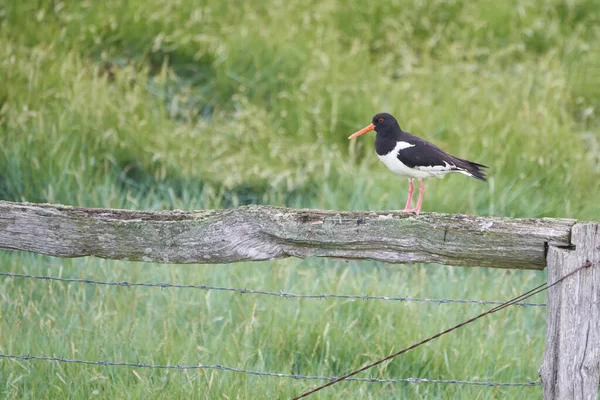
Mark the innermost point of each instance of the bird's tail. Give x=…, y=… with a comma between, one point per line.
x=472, y=168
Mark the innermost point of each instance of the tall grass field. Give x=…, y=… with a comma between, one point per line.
x=161, y=105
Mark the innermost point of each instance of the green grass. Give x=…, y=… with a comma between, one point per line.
x=187, y=105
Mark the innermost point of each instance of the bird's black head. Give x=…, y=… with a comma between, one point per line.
x=382, y=123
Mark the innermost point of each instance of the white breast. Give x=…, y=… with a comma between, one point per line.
x=396, y=166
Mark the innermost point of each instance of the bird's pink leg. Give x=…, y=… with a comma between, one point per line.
x=420, y=200
x=411, y=190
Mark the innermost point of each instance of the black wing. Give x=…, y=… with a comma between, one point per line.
x=425, y=154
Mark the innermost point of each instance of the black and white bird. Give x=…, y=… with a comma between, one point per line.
x=413, y=157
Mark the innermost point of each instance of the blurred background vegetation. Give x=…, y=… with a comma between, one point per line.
x=212, y=104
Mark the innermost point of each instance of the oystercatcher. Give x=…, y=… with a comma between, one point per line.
x=413, y=157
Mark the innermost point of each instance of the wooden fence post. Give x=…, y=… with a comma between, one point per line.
x=571, y=367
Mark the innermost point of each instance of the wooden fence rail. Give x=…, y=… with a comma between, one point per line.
x=265, y=233
x=571, y=367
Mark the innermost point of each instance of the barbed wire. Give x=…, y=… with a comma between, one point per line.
x=263, y=292
x=27, y=357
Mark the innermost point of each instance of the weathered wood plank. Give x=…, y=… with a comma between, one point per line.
x=264, y=232
x=571, y=367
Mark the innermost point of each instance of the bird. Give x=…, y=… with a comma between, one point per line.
x=415, y=158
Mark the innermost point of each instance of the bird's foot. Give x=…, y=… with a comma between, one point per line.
x=411, y=210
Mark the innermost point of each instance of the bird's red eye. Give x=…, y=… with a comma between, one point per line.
x=380, y=119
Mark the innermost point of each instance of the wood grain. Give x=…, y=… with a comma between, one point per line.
x=571, y=367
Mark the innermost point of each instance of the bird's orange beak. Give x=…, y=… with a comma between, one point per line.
x=364, y=130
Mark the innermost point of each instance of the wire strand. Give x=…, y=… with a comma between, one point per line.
x=263, y=292
x=28, y=357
